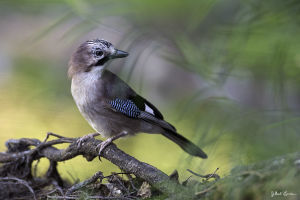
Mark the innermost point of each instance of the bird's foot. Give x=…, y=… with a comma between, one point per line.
x=108, y=141
x=84, y=138
x=103, y=145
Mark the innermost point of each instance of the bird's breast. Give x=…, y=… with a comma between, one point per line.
x=84, y=86
x=86, y=92
x=89, y=91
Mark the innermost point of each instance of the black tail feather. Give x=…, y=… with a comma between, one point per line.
x=185, y=144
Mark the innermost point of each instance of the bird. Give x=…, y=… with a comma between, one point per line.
x=111, y=107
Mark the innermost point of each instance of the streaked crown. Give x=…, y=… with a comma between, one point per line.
x=93, y=53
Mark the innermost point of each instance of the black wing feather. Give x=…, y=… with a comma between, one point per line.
x=140, y=102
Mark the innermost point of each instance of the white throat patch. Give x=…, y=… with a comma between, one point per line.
x=83, y=86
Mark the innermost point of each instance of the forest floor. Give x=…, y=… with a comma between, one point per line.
x=277, y=178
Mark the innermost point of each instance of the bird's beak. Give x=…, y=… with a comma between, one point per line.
x=119, y=54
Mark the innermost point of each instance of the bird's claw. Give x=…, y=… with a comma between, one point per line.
x=84, y=138
x=102, y=146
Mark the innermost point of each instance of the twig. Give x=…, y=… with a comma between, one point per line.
x=11, y=157
x=115, y=177
x=20, y=181
x=101, y=197
x=52, y=191
x=53, y=134
x=117, y=173
x=131, y=183
x=88, y=197
x=94, y=178
x=205, y=191
x=57, y=187
x=62, y=197
x=207, y=176
x=35, y=167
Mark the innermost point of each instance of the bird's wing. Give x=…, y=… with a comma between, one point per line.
x=125, y=106
x=146, y=106
x=122, y=98
x=131, y=109
x=115, y=88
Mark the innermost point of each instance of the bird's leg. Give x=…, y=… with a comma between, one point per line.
x=105, y=143
x=84, y=138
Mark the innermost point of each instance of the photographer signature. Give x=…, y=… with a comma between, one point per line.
x=282, y=193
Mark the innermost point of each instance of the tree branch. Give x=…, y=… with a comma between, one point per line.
x=124, y=161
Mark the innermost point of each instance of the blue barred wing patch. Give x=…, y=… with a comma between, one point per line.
x=126, y=107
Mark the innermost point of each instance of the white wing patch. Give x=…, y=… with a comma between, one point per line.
x=148, y=109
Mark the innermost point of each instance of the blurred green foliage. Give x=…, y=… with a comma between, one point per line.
x=243, y=55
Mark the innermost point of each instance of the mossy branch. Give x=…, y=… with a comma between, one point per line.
x=18, y=149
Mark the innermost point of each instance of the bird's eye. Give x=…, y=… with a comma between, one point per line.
x=99, y=53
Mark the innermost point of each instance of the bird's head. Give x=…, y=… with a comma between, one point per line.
x=93, y=53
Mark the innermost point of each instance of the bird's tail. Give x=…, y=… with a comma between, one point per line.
x=184, y=143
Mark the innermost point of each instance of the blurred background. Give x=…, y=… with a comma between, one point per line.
x=225, y=73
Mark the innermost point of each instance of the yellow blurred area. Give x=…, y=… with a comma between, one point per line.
x=21, y=119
